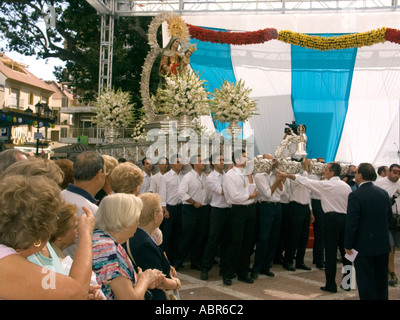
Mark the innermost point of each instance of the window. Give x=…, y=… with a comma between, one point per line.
x=13, y=101
x=31, y=98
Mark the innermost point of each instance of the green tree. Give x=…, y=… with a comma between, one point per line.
x=75, y=38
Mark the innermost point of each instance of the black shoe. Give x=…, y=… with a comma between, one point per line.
x=268, y=273
x=331, y=290
x=204, y=275
x=254, y=275
x=320, y=266
x=245, y=278
x=303, y=267
x=289, y=267
x=226, y=281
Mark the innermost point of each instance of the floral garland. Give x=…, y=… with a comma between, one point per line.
x=313, y=42
x=392, y=35
x=227, y=37
x=232, y=103
x=114, y=109
x=332, y=43
x=183, y=94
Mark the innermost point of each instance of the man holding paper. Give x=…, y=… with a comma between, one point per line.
x=367, y=232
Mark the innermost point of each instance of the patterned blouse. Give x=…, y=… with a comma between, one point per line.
x=110, y=260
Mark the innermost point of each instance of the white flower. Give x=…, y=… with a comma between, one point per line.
x=231, y=103
x=114, y=109
x=182, y=94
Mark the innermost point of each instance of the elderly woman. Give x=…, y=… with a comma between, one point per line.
x=116, y=221
x=110, y=163
x=29, y=208
x=66, y=232
x=66, y=166
x=126, y=178
x=35, y=167
x=145, y=251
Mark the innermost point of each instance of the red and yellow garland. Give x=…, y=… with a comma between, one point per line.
x=312, y=42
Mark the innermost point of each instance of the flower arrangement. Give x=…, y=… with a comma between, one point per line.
x=183, y=94
x=313, y=42
x=238, y=38
x=232, y=103
x=333, y=43
x=392, y=35
x=114, y=109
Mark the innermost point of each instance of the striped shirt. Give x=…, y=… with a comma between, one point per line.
x=110, y=260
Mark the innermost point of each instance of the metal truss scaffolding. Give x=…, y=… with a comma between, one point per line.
x=112, y=9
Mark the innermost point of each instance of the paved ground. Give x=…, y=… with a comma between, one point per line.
x=286, y=285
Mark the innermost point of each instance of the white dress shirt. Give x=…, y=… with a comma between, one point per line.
x=168, y=188
x=285, y=194
x=154, y=182
x=390, y=187
x=193, y=186
x=334, y=192
x=145, y=186
x=237, y=188
x=264, y=182
x=315, y=195
x=214, y=183
x=298, y=192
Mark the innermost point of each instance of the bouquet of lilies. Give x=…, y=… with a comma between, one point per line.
x=232, y=102
x=182, y=94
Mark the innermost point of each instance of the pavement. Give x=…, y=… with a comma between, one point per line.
x=286, y=285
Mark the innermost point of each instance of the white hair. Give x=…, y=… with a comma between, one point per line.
x=118, y=211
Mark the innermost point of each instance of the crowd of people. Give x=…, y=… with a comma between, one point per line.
x=104, y=228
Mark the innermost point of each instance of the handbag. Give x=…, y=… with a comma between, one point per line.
x=170, y=294
x=148, y=295
x=394, y=224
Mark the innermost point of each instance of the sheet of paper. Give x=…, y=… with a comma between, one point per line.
x=351, y=257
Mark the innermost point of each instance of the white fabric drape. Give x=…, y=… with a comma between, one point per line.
x=266, y=69
x=371, y=130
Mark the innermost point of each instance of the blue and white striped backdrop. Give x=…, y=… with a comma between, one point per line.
x=348, y=99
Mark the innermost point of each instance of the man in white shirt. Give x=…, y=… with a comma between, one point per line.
x=220, y=218
x=391, y=184
x=270, y=187
x=172, y=207
x=146, y=166
x=195, y=213
x=240, y=192
x=318, y=224
x=334, y=197
x=89, y=178
x=163, y=168
x=299, y=219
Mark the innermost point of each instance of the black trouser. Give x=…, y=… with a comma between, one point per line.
x=240, y=249
x=283, y=234
x=172, y=232
x=298, y=232
x=195, y=227
x=220, y=235
x=371, y=275
x=318, y=226
x=334, y=227
x=270, y=218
